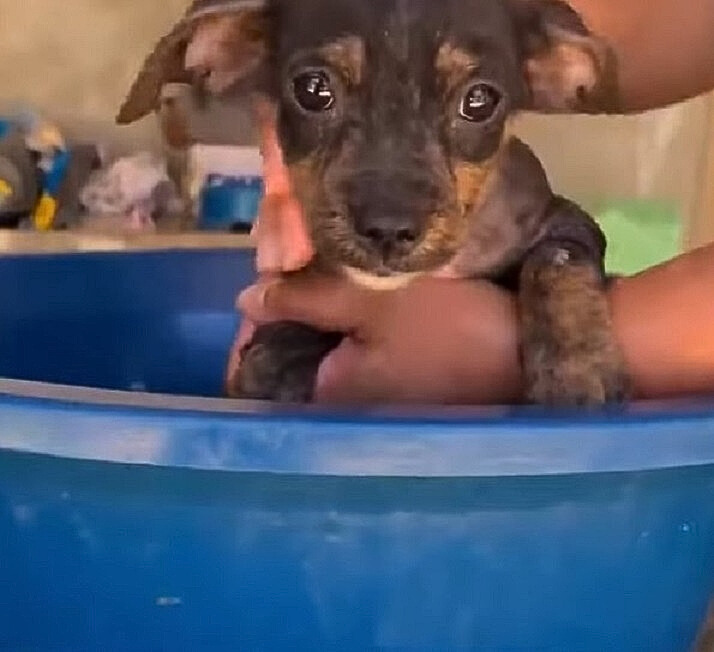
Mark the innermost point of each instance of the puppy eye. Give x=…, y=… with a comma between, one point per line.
x=313, y=91
x=479, y=103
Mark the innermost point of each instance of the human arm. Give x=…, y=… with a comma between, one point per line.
x=449, y=341
x=664, y=318
x=664, y=48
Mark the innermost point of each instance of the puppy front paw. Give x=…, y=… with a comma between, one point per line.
x=280, y=363
x=570, y=355
x=575, y=378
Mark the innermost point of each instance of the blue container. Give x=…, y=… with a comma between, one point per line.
x=164, y=518
x=229, y=202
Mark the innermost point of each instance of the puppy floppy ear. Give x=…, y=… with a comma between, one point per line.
x=566, y=67
x=217, y=45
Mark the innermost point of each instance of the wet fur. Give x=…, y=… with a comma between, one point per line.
x=484, y=198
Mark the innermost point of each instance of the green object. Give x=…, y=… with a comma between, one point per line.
x=640, y=234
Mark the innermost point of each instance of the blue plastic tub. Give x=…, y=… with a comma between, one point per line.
x=146, y=515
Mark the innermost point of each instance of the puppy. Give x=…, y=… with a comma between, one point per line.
x=393, y=116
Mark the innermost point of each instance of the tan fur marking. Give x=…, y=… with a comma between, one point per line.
x=471, y=179
x=347, y=55
x=454, y=63
x=474, y=179
x=446, y=232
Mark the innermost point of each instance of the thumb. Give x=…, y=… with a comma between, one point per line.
x=345, y=375
x=329, y=304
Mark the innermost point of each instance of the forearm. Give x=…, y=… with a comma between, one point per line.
x=664, y=319
x=665, y=48
x=457, y=341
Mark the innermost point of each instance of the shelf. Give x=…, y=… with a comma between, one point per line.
x=26, y=242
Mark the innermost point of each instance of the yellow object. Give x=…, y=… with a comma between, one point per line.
x=5, y=189
x=45, y=212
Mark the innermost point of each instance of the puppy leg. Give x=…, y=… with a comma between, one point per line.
x=569, y=353
x=281, y=362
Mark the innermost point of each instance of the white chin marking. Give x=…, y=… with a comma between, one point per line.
x=373, y=282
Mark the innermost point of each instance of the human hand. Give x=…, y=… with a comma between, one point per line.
x=434, y=341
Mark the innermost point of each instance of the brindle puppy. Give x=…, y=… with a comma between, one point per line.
x=393, y=119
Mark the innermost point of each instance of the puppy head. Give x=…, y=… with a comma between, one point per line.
x=392, y=114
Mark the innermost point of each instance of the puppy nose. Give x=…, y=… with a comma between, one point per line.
x=388, y=232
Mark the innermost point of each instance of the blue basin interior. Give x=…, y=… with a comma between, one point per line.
x=161, y=518
x=153, y=321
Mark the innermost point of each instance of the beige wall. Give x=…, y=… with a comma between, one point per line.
x=75, y=59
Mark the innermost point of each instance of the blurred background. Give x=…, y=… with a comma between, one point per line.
x=649, y=178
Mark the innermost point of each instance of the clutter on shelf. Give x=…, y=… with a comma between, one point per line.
x=135, y=189
x=48, y=183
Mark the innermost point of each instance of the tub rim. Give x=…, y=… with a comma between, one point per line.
x=80, y=423
x=36, y=417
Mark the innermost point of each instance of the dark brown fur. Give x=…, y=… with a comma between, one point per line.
x=281, y=363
